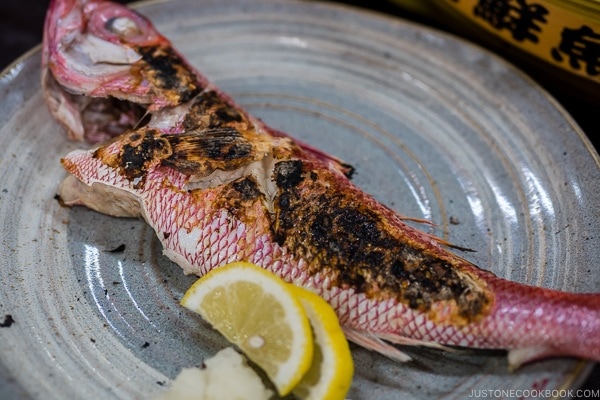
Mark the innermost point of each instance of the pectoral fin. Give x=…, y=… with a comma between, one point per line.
x=372, y=342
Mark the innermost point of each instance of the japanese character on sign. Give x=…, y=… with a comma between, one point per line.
x=520, y=18
x=580, y=45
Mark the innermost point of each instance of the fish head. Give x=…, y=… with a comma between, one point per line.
x=105, y=65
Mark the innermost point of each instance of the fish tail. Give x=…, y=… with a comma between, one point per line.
x=535, y=323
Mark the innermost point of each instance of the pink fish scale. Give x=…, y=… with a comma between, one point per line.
x=353, y=315
x=472, y=338
x=386, y=310
x=158, y=204
x=301, y=277
x=338, y=299
x=245, y=241
x=430, y=331
x=340, y=303
x=400, y=319
x=539, y=318
x=85, y=166
x=221, y=238
x=267, y=254
x=218, y=237
x=361, y=313
x=364, y=307
x=289, y=267
x=388, y=316
x=411, y=326
x=277, y=264
x=450, y=336
x=378, y=316
x=222, y=227
x=195, y=227
x=260, y=250
x=107, y=175
x=92, y=170
x=424, y=329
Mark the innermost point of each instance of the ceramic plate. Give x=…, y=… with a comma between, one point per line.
x=436, y=128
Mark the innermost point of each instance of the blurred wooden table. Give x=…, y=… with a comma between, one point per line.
x=21, y=29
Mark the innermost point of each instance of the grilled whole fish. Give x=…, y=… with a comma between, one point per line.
x=217, y=185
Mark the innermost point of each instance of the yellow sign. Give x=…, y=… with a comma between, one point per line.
x=559, y=36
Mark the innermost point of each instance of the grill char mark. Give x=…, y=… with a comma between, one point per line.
x=336, y=233
x=194, y=153
x=168, y=72
x=209, y=111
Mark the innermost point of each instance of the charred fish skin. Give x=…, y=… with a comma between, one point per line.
x=106, y=69
x=351, y=240
x=218, y=185
x=313, y=227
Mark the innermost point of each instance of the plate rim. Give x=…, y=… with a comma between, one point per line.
x=583, y=367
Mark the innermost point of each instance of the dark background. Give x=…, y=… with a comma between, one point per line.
x=21, y=23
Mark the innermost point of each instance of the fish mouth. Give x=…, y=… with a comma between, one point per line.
x=92, y=119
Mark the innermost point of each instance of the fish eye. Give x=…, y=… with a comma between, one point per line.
x=118, y=24
x=122, y=26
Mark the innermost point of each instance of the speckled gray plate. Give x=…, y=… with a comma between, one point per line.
x=436, y=128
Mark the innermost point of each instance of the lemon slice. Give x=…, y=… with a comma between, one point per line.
x=256, y=310
x=330, y=374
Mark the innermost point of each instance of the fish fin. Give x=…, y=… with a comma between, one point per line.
x=518, y=357
x=455, y=246
x=406, y=341
x=416, y=220
x=437, y=239
x=372, y=342
x=442, y=242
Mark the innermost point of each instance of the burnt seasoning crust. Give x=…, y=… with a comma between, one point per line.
x=312, y=216
x=167, y=72
x=334, y=231
x=196, y=153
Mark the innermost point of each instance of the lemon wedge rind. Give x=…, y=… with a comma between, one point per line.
x=330, y=375
x=258, y=312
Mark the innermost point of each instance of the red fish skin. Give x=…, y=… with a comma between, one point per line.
x=200, y=234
